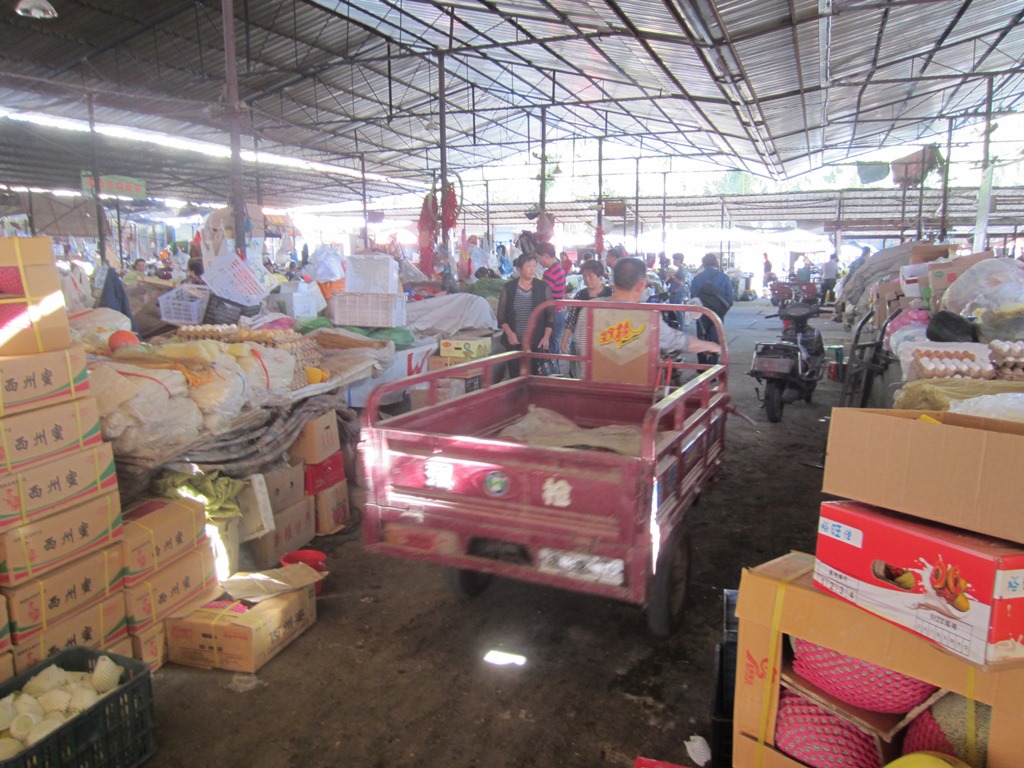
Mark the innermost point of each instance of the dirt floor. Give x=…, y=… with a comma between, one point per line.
x=392, y=674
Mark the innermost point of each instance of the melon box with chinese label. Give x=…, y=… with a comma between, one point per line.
x=959, y=589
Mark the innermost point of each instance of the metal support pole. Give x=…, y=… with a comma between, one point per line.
x=543, y=157
x=234, y=124
x=664, y=211
x=120, y=237
x=101, y=241
x=487, y=214
x=256, y=160
x=442, y=118
x=31, y=216
x=985, y=193
x=366, y=212
x=920, y=209
x=636, y=210
x=944, y=225
x=600, y=185
x=903, y=210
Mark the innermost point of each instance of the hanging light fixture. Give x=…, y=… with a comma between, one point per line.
x=35, y=9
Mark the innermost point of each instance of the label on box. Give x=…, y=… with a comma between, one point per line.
x=325, y=474
x=44, y=434
x=42, y=489
x=99, y=626
x=943, y=584
x=31, y=550
x=332, y=509
x=172, y=585
x=158, y=530
x=34, y=605
x=34, y=381
x=466, y=347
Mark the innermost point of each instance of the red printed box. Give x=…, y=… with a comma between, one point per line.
x=961, y=590
x=320, y=477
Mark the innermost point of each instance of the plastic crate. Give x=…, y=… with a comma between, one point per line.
x=185, y=304
x=721, y=710
x=371, y=273
x=116, y=732
x=370, y=310
x=225, y=312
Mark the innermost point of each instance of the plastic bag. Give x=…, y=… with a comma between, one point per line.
x=180, y=426
x=902, y=320
x=1008, y=406
x=93, y=327
x=911, y=334
x=221, y=398
x=995, y=285
x=326, y=265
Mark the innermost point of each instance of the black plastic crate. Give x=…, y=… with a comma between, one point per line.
x=721, y=711
x=115, y=732
x=730, y=624
x=221, y=311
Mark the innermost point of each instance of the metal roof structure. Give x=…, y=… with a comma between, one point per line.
x=773, y=87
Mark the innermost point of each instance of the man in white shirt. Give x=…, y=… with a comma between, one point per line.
x=829, y=275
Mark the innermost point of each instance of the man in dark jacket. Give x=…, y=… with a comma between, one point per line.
x=714, y=289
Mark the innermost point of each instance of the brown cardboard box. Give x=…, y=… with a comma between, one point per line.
x=101, y=625
x=6, y=666
x=37, y=603
x=922, y=252
x=150, y=644
x=36, y=320
x=157, y=531
x=39, y=490
x=317, y=440
x=779, y=598
x=169, y=587
x=332, y=509
x=942, y=274
x=31, y=550
x=963, y=471
x=222, y=638
x=295, y=528
x=47, y=433
x=47, y=378
x=285, y=484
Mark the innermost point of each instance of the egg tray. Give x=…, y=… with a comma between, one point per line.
x=115, y=732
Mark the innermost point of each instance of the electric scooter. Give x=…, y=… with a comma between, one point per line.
x=790, y=368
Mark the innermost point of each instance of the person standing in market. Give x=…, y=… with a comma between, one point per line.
x=629, y=280
x=554, y=276
x=714, y=289
x=677, y=284
x=829, y=275
x=517, y=301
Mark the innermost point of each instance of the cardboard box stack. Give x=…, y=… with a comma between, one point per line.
x=909, y=587
x=61, y=563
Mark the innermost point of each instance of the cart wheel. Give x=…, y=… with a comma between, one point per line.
x=668, y=586
x=773, y=401
x=466, y=584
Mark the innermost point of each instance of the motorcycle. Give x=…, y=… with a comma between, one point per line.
x=790, y=368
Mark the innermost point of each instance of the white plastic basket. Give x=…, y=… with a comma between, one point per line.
x=371, y=310
x=185, y=304
x=371, y=273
